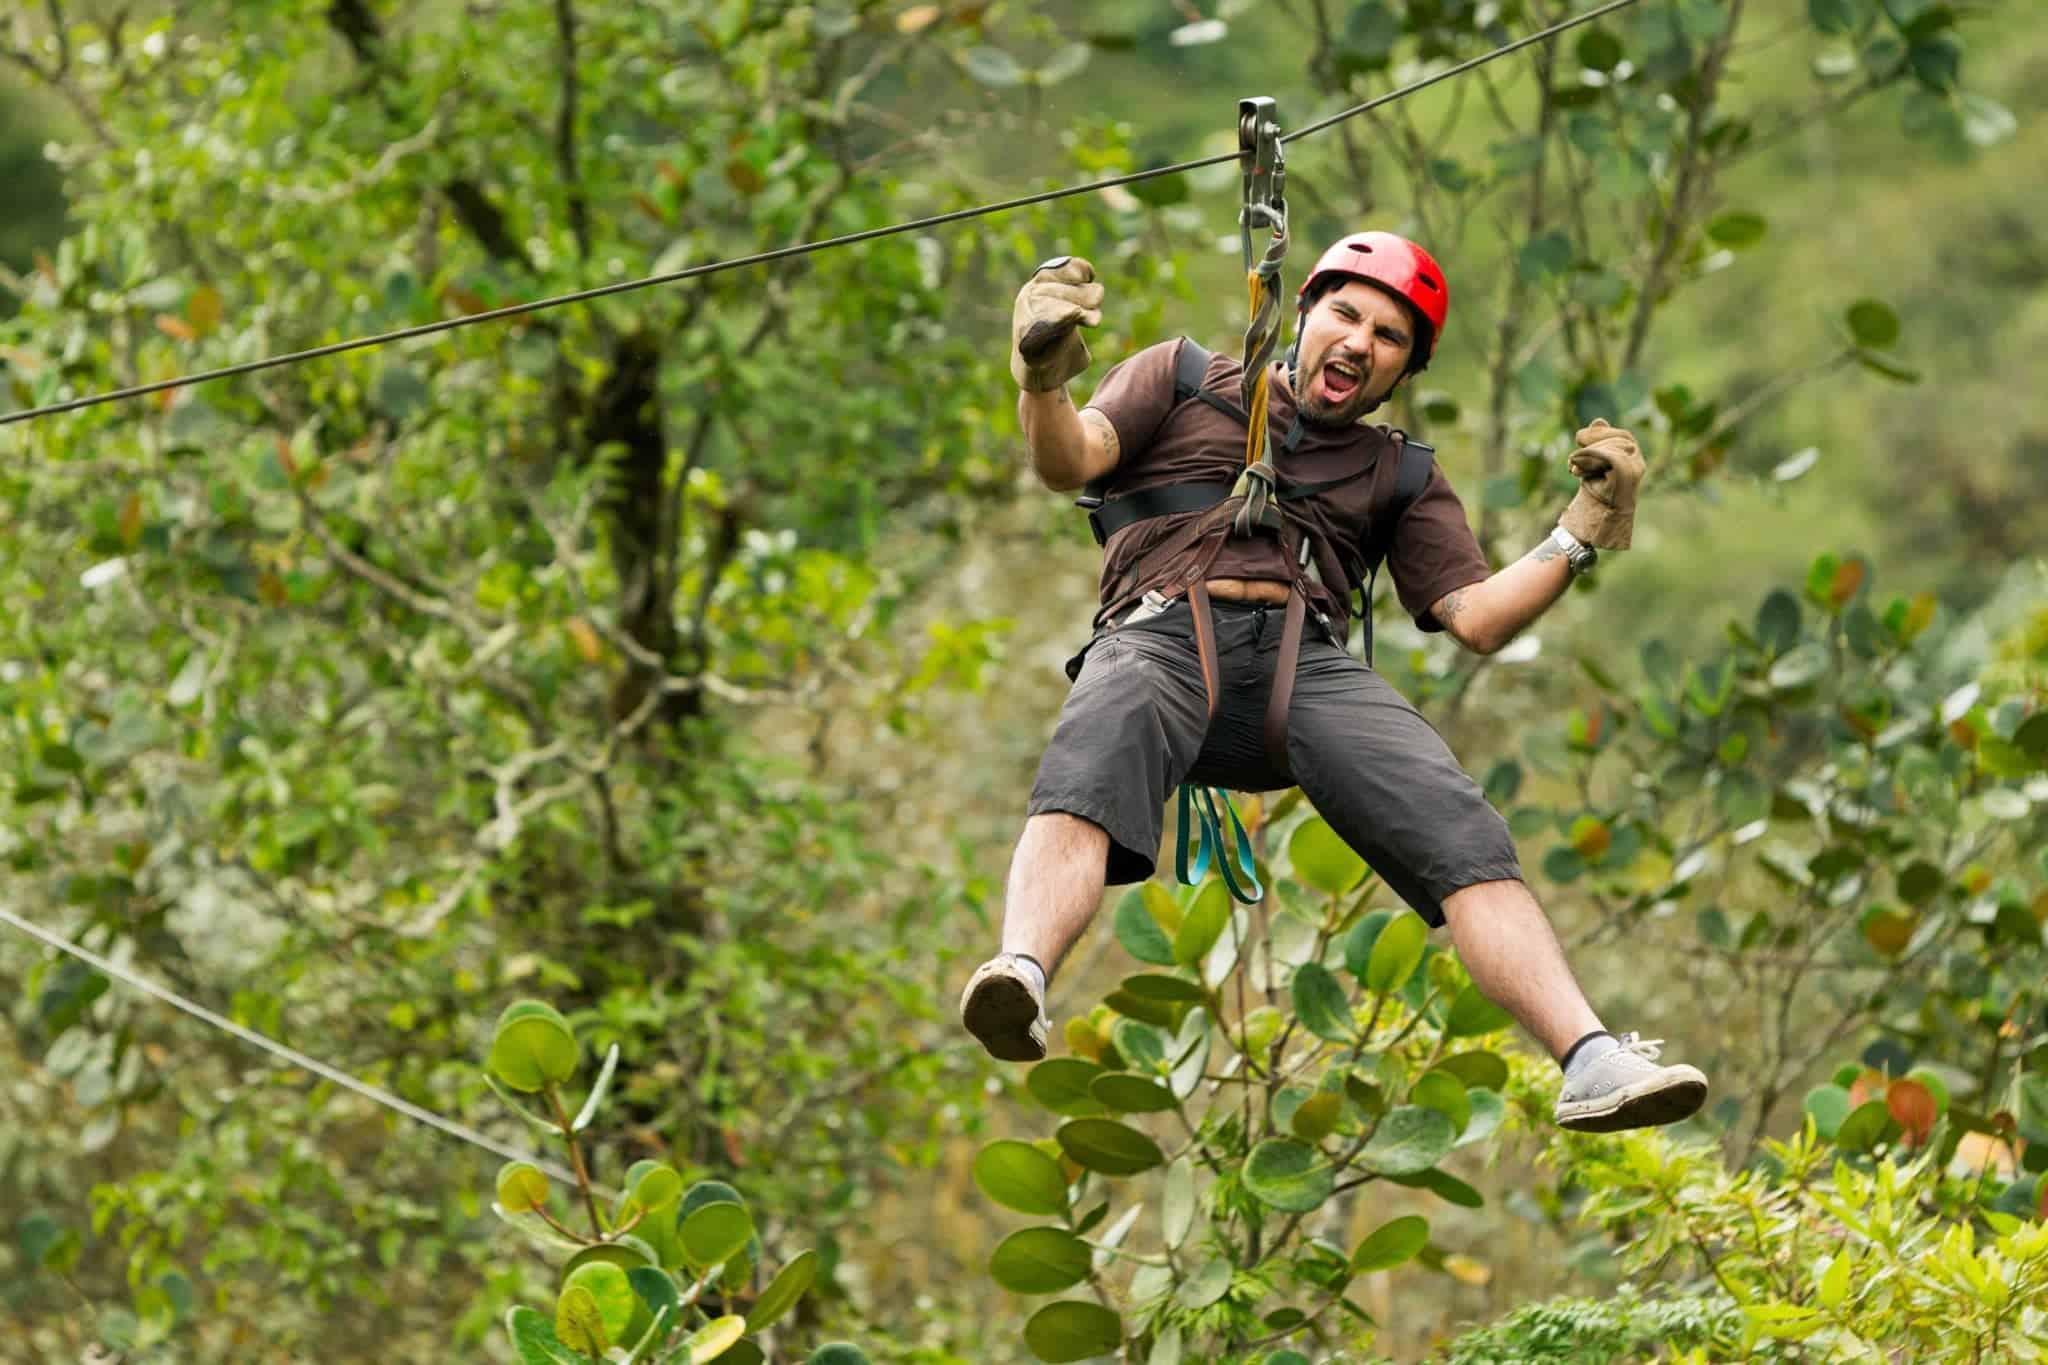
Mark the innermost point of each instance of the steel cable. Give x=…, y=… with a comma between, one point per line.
x=787, y=252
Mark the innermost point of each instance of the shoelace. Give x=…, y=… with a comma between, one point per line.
x=1645, y=1048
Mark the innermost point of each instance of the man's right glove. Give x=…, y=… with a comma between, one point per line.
x=1046, y=349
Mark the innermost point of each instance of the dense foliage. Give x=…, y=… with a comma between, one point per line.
x=610, y=656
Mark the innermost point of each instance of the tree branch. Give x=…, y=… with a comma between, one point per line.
x=565, y=127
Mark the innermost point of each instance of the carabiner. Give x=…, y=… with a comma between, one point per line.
x=1264, y=169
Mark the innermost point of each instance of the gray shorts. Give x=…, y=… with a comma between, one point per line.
x=1132, y=730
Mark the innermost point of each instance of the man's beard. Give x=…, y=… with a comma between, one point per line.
x=1317, y=411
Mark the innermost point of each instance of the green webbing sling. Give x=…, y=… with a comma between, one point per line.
x=1202, y=801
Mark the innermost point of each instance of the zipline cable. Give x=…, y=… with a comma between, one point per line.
x=341, y=1078
x=789, y=252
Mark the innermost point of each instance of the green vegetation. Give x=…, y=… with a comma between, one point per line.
x=679, y=660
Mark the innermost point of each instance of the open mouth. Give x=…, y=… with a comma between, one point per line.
x=1339, y=380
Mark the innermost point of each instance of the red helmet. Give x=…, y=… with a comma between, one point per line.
x=1396, y=265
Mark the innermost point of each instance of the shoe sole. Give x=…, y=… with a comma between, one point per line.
x=1001, y=1014
x=1649, y=1107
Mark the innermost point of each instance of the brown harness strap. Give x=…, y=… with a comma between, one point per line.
x=1205, y=644
x=1283, y=681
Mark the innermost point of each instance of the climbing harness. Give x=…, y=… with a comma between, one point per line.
x=1208, y=823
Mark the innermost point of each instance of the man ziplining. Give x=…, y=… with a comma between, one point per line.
x=1219, y=651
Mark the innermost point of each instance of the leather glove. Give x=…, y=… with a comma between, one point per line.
x=1046, y=349
x=1608, y=467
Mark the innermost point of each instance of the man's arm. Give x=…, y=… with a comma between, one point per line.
x=1068, y=448
x=1484, y=616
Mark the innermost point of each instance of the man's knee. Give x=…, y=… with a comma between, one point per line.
x=1063, y=830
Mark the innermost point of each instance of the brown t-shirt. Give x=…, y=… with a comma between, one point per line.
x=1432, y=550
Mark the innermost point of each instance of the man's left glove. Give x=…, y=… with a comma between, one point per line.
x=1046, y=349
x=1609, y=467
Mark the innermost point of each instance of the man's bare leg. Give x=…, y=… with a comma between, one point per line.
x=1506, y=943
x=1056, y=880
x=1508, y=946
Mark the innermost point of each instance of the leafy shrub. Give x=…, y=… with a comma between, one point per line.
x=638, y=1285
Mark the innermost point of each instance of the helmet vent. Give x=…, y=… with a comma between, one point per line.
x=1430, y=283
x=1364, y=248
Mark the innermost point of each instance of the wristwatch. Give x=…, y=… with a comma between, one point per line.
x=1579, y=555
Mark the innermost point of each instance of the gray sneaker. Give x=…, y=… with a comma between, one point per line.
x=1003, y=1008
x=1626, y=1088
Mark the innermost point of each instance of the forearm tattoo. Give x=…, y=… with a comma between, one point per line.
x=1450, y=605
x=1545, y=549
x=1110, y=445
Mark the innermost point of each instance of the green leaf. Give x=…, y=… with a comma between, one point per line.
x=1177, y=1203
x=1777, y=622
x=1877, y=364
x=655, y=1288
x=714, y=1339
x=1919, y=882
x=1444, y=1185
x=837, y=1353
x=1063, y=64
x=1287, y=1175
x=1139, y=933
x=1316, y=1117
x=1408, y=1141
x=1390, y=1244
x=1109, y=1147
x=1073, y=1329
x=1321, y=1004
x=715, y=1233
x=1122, y=1092
x=1599, y=50
x=1039, y=1261
x=1986, y=122
x=1804, y=666
x=522, y=1187
x=1207, y=1285
x=1547, y=254
x=1740, y=798
x=1160, y=986
x=1323, y=860
x=1873, y=324
x=532, y=1047
x=992, y=67
x=579, y=1322
x=598, y=1091
x=1062, y=1084
x=610, y=1291
x=1737, y=230
x=1837, y=16
x=1363, y=937
x=533, y=1337
x=789, y=1285
x=2031, y=738
x=1478, y=1070
x=1397, y=953
x=1828, y=1105
x=1019, y=1176
x=1473, y=1014
x=1203, y=924
x=1445, y=1093
x=1864, y=1127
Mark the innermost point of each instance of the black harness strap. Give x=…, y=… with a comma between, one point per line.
x=1107, y=516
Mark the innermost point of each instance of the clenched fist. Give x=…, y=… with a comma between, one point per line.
x=1608, y=467
x=1046, y=349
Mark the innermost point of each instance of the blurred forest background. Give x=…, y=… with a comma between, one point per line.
x=682, y=660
